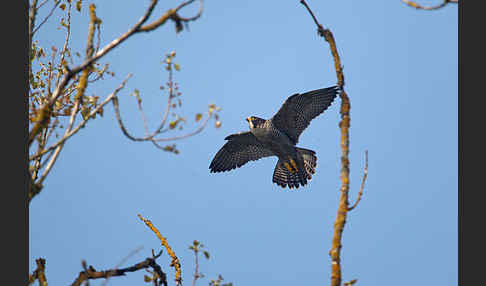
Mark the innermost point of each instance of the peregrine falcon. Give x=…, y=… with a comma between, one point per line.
x=278, y=136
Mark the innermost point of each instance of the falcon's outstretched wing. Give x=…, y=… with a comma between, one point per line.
x=299, y=109
x=240, y=148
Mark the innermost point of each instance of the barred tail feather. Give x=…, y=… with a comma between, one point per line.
x=283, y=177
x=310, y=161
x=286, y=176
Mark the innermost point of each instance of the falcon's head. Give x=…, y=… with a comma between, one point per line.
x=255, y=122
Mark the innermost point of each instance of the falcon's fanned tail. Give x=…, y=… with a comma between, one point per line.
x=283, y=177
x=310, y=161
x=288, y=174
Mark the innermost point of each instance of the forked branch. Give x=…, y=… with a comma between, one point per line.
x=45, y=110
x=175, y=261
x=39, y=274
x=47, y=105
x=90, y=273
x=173, y=97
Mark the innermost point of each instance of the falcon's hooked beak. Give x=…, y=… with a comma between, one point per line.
x=248, y=119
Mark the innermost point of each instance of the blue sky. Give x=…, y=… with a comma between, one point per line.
x=400, y=67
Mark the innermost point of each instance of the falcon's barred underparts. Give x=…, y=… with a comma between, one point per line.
x=278, y=136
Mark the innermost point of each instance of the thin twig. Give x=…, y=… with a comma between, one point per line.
x=98, y=26
x=118, y=40
x=436, y=7
x=79, y=96
x=83, y=123
x=196, y=267
x=51, y=74
x=66, y=42
x=100, y=74
x=167, y=108
x=132, y=253
x=171, y=14
x=32, y=13
x=46, y=159
x=201, y=128
x=199, y=13
x=53, y=158
x=140, y=108
x=91, y=273
x=47, y=17
x=116, y=108
x=365, y=174
x=45, y=111
x=42, y=4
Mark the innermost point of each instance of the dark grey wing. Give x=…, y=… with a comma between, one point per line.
x=299, y=109
x=239, y=149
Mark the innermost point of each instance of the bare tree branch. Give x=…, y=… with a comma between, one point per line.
x=198, y=130
x=53, y=159
x=175, y=261
x=32, y=14
x=83, y=123
x=77, y=79
x=45, y=111
x=344, y=124
x=39, y=273
x=365, y=174
x=48, y=168
x=436, y=7
x=79, y=96
x=152, y=136
x=33, y=189
x=125, y=259
x=172, y=14
x=91, y=273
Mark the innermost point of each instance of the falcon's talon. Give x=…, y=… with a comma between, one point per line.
x=278, y=136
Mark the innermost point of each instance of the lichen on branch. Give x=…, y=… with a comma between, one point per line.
x=175, y=261
x=344, y=124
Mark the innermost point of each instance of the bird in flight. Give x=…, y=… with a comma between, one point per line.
x=278, y=136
